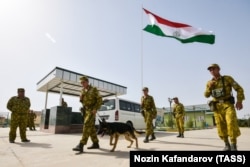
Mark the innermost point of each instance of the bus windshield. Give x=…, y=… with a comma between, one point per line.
x=107, y=105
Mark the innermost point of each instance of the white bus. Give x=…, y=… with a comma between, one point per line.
x=120, y=110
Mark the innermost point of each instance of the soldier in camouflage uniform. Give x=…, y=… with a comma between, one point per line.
x=179, y=113
x=220, y=88
x=31, y=120
x=64, y=103
x=91, y=101
x=19, y=106
x=149, y=113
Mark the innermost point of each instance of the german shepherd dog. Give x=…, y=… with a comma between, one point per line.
x=115, y=129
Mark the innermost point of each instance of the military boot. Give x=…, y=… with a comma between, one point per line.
x=79, y=148
x=233, y=147
x=227, y=147
x=94, y=146
x=146, y=140
x=25, y=140
x=179, y=135
x=182, y=135
x=152, y=137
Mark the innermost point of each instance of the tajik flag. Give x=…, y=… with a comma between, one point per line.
x=182, y=32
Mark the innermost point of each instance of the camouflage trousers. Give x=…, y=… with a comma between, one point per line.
x=148, y=118
x=226, y=122
x=89, y=129
x=180, y=124
x=18, y=120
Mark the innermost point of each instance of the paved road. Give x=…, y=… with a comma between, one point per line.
x=55, y=150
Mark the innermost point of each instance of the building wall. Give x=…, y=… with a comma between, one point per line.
x=198, y=114
x=197, y=117
x=2, y=120
x=38, y=118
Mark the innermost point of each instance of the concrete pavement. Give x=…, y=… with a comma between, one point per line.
x=55, y=150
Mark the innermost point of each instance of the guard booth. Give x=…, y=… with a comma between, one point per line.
x=58, y=119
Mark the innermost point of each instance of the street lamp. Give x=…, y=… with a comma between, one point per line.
x=163, y=120
x=170, y=102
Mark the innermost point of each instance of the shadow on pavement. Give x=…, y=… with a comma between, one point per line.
x=32, y=144
x=185, y=143
x=106, y=152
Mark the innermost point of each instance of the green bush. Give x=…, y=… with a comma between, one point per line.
x=189, y=124
x=203, y=124
x=170, y=122
x=243, y=122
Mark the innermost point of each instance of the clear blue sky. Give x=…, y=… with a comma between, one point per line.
x=104, y=39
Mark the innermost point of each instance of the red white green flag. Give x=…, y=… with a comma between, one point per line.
x=182, y=32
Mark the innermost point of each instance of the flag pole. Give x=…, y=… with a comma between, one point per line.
x=142, y=48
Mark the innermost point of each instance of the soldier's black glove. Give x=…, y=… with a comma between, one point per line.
x=143, y=113
x=82, y=109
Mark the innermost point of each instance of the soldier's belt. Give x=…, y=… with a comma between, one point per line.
x=222, y=101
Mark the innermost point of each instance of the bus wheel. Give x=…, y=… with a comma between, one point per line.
x=129, y=123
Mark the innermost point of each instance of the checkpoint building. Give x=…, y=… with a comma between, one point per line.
x=60, y=119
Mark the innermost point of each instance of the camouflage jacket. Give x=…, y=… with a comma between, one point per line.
x=64, y=104
x=178, y=110
x=91, y=99
x=18, y=105
x=32, y=116
x=229, y=83
x=148, y=104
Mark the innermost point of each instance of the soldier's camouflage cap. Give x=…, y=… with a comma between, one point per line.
x=213, y=66
x=20, y=90
x=84, y=78
x=145, y=89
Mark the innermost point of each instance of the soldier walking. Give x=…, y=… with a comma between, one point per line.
x=223, y=105
x=91, y=101
x=149, y=113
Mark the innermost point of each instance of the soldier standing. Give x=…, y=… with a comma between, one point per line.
x=220, y=88
x=19, y=106
x=179, y=113
x=64, y=103
x=91, y=101
x=32, y=118
x=149, y=113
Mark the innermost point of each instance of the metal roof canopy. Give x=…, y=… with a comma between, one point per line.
x=67, y=82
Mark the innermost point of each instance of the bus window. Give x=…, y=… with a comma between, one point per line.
x=107, y=105
x=125, y=105
x=137, y=108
